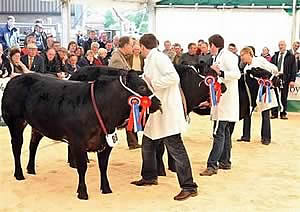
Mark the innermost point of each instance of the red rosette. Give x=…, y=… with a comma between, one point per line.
x=145, y=102
x=218, y=91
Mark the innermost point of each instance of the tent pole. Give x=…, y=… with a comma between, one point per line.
x=294, y=24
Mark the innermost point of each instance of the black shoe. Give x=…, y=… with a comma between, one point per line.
x=284, y=117
x=183, y=195
x=243, y=139
x=143, y=182
x=274, y=117
x=265, y=141
x=225, y=166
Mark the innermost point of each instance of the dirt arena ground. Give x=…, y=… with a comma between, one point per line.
x=263, y=178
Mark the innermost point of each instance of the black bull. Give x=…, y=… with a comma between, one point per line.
x=62, y=110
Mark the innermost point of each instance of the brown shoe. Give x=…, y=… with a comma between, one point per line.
x=209, y=172
x=284, y=117
x=183, y=195
x=144, y=182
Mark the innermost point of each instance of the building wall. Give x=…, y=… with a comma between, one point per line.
x=256, y=27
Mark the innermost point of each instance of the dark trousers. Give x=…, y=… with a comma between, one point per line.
x=221, y=151
x=284, y=94
x=177, y=150
x=132, y=139
x=265, y=126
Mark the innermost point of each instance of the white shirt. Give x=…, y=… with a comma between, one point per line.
x=165, y=81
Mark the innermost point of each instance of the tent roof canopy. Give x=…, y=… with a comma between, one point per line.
x=229, y=2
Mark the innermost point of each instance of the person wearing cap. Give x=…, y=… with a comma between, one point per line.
x=40, y=35
x=9, y=34
x=32, y=60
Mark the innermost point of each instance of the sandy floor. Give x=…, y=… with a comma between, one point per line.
x=263, y=178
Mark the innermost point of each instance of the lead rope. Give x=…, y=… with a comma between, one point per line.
x=96, y=110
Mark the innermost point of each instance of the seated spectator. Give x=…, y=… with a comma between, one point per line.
x=190, y=57
x=88, y=60
x=72, y=66
x=266, y=54
x=3, y=60
x=56, y=45
x=51, y=62
x=87, y=44
x=168, y=51
x=109, y=48
x=72, y=47
x=79, y=52
x=178, y=53
x=103, y=40
x=95, y=48
x=205, y=56
x=50, y=42
x=62, y=58
x=116, y=42
x=32, y=60
x=15, y=66
x=198, y=46
x=28, y=39
x=102, y=56
x=136, y=60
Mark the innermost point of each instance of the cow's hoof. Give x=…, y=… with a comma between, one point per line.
x=106, y=191
x=30, y=171
x=83, y=196
x=19, y=177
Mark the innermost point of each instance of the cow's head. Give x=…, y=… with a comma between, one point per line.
x=205, y=70
x=258, y=73
x=136, y=83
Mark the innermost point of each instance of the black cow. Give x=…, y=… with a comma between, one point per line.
x=62, y=110
x=191, y=81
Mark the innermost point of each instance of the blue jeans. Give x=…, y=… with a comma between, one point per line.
x=177, y=150
x=221, y=151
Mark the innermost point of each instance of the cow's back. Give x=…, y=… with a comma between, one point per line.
x=46, y=103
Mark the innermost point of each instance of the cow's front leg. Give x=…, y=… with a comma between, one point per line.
x=79, y=155
x=103, y=163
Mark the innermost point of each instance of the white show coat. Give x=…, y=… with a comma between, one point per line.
x=165, y=83
x=261, y=62
x=228, y=107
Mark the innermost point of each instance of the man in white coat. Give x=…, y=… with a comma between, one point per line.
x=167, y=126
x=248, y=58
x=226, y=112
